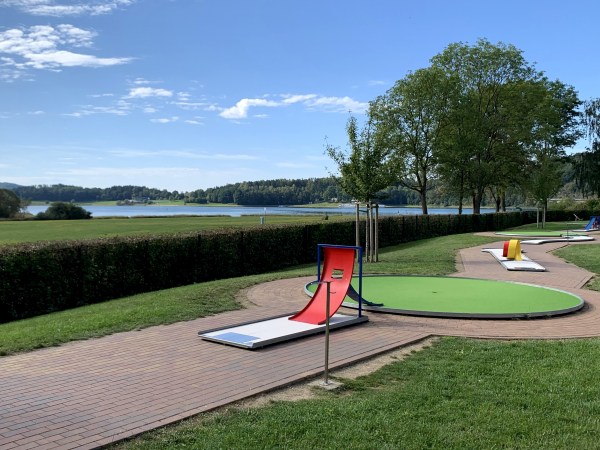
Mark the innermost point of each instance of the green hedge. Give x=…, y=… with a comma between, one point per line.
x=52, y=276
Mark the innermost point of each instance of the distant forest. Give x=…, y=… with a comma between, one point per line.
x=255, y=193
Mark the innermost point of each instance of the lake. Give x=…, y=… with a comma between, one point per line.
x=237, y=211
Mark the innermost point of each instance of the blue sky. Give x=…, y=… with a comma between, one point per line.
x=188, y=94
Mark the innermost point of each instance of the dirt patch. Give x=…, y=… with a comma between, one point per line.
x=304, y=390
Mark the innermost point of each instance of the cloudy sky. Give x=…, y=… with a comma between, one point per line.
x=188, y=94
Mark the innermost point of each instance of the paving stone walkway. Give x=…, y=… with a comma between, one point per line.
x=91, y=393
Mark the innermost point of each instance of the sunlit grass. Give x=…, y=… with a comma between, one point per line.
x=458, y=394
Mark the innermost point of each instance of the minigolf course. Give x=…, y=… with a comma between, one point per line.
x=337, y=274
x=468, y=298
x=511, y=257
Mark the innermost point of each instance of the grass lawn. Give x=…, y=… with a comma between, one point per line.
x=552, y=226
x=12, y=232
x=587, y=256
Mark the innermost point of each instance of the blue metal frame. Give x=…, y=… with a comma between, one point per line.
x=359, y=250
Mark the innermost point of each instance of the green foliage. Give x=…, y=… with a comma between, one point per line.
x=367, y=167
x=64, y=211
x=412, y=116
x=39, y=278
x=67, y=193
x=587, y=170
x=10, y=204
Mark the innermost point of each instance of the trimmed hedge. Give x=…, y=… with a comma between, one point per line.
x=52, y=276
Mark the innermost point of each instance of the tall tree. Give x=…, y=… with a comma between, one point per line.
x=554, y=127
x=412, y=116
x=587, y=164
x=484, y=135
x=366, y=167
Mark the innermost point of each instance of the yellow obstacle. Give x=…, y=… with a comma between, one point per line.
x=514, y=250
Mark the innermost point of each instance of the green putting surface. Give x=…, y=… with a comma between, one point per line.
x=536, y=233
x=462, y=297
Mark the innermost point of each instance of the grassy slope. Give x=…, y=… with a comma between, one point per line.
x=31, y=231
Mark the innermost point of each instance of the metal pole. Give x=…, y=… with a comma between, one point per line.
x=367, y=237
x=327, y=332
x=377, y=232
x=357, y=231
x=372, y=232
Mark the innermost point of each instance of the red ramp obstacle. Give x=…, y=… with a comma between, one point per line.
x=338, y=267
x=337, y=271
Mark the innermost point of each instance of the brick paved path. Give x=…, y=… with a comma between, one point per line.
x=90, y=393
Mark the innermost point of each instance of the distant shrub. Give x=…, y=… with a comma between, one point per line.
x=64, y=211
x=10, y=203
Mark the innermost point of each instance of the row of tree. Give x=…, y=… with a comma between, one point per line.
x=479, y=120
x=67, y=193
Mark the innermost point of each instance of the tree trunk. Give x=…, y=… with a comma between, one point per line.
x=503, y=204
x=423, y=195
x=477, y=196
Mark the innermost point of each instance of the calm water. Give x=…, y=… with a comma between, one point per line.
x=237, y=211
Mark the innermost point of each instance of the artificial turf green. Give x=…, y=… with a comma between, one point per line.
x=463, y=295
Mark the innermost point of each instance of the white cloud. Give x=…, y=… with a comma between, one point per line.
x=290, y=99
x=54, y=8
x=36, y=113
x=338, y=104
x=64, y=58
x=149, y=109
x=240, y=110
x=88, y=110
x=193, y=122
x=144, y=92
x=310, y=101
x=39, y=47
x=165, y=120
x=377, y=83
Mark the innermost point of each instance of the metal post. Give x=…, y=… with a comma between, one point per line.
x=327, y=332
x=367, y=237
x=372, y=233
x=377, y=232
x=357, y=231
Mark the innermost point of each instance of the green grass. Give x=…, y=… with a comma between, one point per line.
x=551, y=226
x=12, y=232
x=586, y=256
x=427, y=257
x=458, y=394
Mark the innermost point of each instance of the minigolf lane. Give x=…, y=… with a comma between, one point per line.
x=463, y=297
